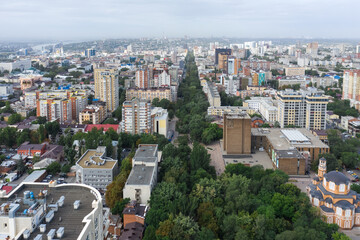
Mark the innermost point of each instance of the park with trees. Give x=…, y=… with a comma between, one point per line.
x=191, y=202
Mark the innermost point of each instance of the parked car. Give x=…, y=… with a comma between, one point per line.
x=63, y=175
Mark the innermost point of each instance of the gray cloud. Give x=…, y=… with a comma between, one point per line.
x=93, y=19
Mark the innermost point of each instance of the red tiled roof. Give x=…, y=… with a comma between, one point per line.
x=106, y=127
x=7, y=189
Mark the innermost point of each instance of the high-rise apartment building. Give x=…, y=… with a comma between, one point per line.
x=351, y=87
x=312, y=48
x=226, y=51
x=233, y=65
x=164, y=79
x=54, y=109
x=59, y=105
x=306, y=109
x=136, y=116
x=142, y=78
x=90, y=52
x=31, y=98
x=223, y=61
x=358, y=48
x=107, y=87
x=316, y=106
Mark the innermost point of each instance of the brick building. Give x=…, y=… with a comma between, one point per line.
x=237, y=133
x=284, y=146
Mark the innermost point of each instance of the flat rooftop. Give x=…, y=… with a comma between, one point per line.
x=69, y=220
x=146, y=153
x=140, y=175
x=284, y=139
x=288, y=154
x=242, y=115
x=94, y=159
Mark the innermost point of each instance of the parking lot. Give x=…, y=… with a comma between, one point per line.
x=60, y=179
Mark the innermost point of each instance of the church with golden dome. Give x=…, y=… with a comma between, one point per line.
x=332, y=194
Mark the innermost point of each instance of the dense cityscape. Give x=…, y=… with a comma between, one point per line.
x=136, y=120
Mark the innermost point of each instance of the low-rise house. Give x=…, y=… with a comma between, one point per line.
x=143, y=176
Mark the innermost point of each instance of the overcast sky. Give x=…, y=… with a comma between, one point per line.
x=23, y=20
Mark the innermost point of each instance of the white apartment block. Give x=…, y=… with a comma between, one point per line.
x=231, y=85
x=266, y=106
x=6, y=90
x=164, y=79
x=19, y=64
x=268, y=109
x=35, y=210
x=30, y=99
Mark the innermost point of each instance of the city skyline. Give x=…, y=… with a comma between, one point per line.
x=90, y=20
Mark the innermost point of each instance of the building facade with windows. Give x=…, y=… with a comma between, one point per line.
x=136, y=116
x=351, y=87
x=94, y=114
x=305, y=109
x=143, y=176
x=149, y=94
x=95, y=169
x=331, y=193
x=107, y=87
x=28, y=212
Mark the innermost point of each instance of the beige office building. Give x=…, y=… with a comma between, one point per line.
x=305, y=109
x=107, y=87
x=148, y=94
x=294, y=71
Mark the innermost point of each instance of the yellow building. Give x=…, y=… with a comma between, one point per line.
x=107, y=87
x=223, y=58
x=255, y=79
x=160, y=123
x=294, y=71
x=331, y=193
x=148, y=94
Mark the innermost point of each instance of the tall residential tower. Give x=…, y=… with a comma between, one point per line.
x=107, y=87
